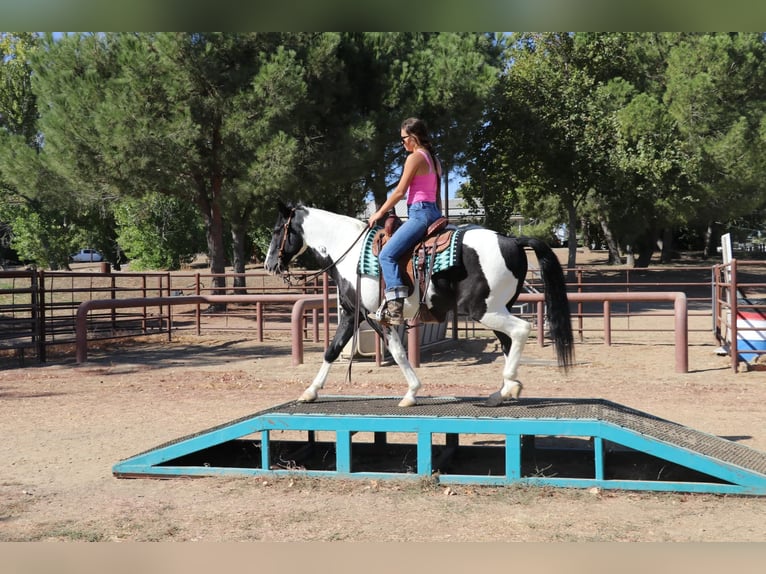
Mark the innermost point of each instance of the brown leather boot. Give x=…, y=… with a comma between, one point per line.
x=394, y=312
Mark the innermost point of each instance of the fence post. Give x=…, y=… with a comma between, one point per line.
x=541, y=323
x=326, y=308
x=38, y=315
x=413, y=342
x=681, y=315
x=733, y=312
x=259, y=321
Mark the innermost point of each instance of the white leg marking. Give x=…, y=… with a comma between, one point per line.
x=502, y=286
x=400, y=356
x=312, y=391
x=518, y=330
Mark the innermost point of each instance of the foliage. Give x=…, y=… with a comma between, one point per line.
x=639, y=135
x=36, y=203
x=648, y=134
x=157, y=231
x=41, y=236
x=18, y=108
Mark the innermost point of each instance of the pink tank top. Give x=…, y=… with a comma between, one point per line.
x=423, y=187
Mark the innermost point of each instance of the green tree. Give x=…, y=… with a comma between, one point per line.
x=156, y=231
x=541, y=116
x=354, y=113
x=683, y=112
x=454, y=75
x=188, y=115
x=18, y=109
x=34, y=203
x=645, y=133
x=716, y=94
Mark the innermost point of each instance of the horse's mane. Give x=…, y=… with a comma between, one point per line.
x=348, y=218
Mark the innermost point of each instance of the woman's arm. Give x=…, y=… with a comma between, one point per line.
x=411, y=166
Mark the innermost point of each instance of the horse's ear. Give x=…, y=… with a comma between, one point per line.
x=284, y=208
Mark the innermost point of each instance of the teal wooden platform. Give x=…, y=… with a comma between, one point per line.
x=580, y=443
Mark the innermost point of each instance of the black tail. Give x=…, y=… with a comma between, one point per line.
x=556, y=301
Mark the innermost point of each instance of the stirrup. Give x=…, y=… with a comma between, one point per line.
x=383, y=316
x=379, y=316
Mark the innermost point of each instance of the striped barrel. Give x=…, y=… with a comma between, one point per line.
x=751, y=333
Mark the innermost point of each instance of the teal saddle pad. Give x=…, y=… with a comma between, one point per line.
x=450, y=257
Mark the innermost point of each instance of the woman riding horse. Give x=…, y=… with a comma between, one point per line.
x=482, y=283
x=420, y=183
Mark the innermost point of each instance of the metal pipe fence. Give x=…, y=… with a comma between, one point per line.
x=627, y=316
x=38, y=308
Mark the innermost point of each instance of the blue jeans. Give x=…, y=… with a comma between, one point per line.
x=420, y=216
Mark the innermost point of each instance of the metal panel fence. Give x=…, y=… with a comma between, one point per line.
x=38, y=309
x=21, y=328
x=739, y=312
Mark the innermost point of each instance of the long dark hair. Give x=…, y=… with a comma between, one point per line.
x=417, y=128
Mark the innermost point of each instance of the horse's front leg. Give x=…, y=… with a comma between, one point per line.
x=342, y=336
x=400, y=356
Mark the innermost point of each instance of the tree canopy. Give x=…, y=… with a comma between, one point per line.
x=633, y=138
x=644, y=133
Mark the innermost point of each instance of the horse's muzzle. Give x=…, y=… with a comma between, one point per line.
x=274, y=266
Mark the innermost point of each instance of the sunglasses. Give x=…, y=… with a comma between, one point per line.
x=404, y=138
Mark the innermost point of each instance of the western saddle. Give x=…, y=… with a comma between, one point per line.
x=437, y=239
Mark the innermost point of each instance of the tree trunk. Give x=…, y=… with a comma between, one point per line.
x=211, y=215
x=379, y=190
x=667, y=253
x=214, y=235
x=630, y=258
x=611, y=244
x=214, y=227
x=645, y=246
x=445, y=200
x=572, y=239
x=708, y=247
x=239, y=260
x=587, y=240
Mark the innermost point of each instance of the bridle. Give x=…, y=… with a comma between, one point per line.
x=286, y=275
x=285, y=232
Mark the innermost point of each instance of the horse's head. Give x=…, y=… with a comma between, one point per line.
x=287, y=239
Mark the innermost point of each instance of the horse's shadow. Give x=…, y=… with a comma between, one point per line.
x=473, y=352
x=469, y=351
x=148, y=356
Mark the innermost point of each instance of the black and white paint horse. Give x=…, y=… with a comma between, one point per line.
x=484, y=284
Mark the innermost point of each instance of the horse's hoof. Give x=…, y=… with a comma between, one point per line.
x=494, y=399
x=407, y=402
x=497, y=397
x=307, y=397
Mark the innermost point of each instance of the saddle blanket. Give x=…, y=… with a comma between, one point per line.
x=450, y=257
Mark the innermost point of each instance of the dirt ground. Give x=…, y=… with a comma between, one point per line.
x=65, y=425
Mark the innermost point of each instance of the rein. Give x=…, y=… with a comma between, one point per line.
x=287, y=276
